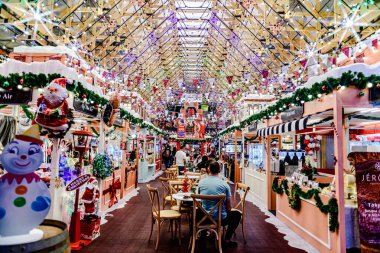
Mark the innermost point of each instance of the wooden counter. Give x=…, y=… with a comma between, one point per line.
x=257, y=181
x=308, y=222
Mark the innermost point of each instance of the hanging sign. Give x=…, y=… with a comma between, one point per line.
x=181, y=130
x=85, y=108
x=293, y=113
x=15, y=97
x=252, y=127
x=78, y=182
x=367, y=169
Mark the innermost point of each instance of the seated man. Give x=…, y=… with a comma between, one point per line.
x=214, y=185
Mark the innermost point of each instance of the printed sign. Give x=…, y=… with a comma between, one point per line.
x=293, y=113
x=15, y=97
x=181, y=130
x=78, y=182
x=367, y=167
x=85, y=108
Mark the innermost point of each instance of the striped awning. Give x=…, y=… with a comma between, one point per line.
x=284, y=127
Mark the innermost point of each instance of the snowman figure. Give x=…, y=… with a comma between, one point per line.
x=24, y=198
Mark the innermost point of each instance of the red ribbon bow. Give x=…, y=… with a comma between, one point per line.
x=115, y=185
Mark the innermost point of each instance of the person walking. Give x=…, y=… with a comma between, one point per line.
x=166, y=157
x=180, y=159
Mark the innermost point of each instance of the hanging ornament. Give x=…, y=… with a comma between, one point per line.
x=229, y=79
x=324, y=87
x=166, y=81
x=361, y=94
x=154, y=89
x=21, y=81
x=6, y=85
x=138, y=80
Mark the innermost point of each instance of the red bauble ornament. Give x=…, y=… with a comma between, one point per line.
x=307, y=149
x=21, y=81
x=84, y=96
x=306, y=142
x=324, y=87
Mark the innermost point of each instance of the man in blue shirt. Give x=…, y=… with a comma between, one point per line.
x=214, y=185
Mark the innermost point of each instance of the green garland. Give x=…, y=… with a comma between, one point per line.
x=300, y=96
x=31, y=80
x=294, y=198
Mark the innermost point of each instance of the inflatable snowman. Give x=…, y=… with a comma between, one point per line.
x=24, y=198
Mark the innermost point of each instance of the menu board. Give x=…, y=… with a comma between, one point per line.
x=367, y=166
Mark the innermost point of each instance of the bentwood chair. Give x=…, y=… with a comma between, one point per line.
x=166, y=196
x=174, y=171
x=202, y=219
x=160, y=216
x=240, y=206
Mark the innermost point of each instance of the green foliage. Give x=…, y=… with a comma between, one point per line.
x=358, y=80
x=36, y=81
x=295, y=195
x=102, y=166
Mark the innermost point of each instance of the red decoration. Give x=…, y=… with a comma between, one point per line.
x=346, y=51
x=185, y=185
x=21, y=81
x=303, y=62
x=324, y=87
x=113, y=187
x=138, y=80
x=375, y=43
x=237, y=91
x=154, y=89
x=166, y=81
x=229, y=79
x=265, y=73
x=195, y=82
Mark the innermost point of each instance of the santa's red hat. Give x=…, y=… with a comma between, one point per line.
x=92, y=180
x=61, y=82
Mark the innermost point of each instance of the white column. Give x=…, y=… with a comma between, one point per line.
x=56, y=193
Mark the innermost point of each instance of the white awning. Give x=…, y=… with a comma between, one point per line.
x=284, y=127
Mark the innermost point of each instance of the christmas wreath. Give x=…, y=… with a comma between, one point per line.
x=102, y=166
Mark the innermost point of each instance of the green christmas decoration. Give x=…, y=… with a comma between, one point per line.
x=102, y=166
x=294, y=198
x=349, y=78
x=361, y=94
x=36, y=81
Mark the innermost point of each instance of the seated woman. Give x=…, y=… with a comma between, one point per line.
x=214, y=185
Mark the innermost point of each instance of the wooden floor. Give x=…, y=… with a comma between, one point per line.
x=128, y=231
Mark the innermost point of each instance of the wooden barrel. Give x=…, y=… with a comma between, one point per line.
x=56, y=240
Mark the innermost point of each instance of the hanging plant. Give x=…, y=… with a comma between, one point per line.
x=102, y=166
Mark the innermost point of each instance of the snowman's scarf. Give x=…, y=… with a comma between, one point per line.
x=29, y=178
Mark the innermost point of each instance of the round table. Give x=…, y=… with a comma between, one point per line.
x=181, y=196
x=189, y=177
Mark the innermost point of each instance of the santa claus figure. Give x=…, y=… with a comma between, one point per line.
x=53, y=108
x=91, y=196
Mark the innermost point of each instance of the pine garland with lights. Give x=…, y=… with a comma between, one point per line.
x=102, y=166
x=302, y=95
x=39, y=81
x=294, y=198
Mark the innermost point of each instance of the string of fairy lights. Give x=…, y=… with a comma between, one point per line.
x=347, y=21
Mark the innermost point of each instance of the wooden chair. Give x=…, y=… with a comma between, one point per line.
x=166, y=196
x=160, y=216
x=240, y=206
x=194, y=181
x=207, y=222
x=170, y=174
x=174, y=171
x=203, y=171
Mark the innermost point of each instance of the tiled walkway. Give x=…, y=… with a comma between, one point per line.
x=128, y=231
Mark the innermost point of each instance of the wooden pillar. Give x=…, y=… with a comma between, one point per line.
x=237, y=165
x=124, y=173
x=339, y=150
